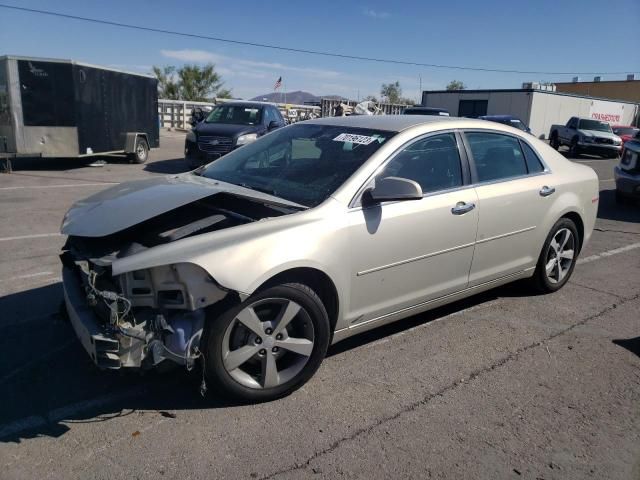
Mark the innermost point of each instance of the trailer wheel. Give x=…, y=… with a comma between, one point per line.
x=140, y=152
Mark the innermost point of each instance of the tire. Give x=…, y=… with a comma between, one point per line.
x=620, y=198
x=265, y=345
x=574, y=149
x=140, y=152
x=546, y=282
x=554, y=143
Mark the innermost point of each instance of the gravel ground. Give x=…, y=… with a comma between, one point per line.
x=502, y=385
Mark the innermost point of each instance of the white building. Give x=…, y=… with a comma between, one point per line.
x=536, y=107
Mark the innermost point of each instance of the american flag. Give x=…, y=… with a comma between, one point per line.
x=278, y=83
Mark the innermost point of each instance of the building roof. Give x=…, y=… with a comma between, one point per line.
x=526, y=90
x=600, y=82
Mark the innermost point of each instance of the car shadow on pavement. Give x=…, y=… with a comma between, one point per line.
x=48, y=382
x=516, y=289
x=631, y=344
x=174, y=165
x=608, y=209
x=60, y=164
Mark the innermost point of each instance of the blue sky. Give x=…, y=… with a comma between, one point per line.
x=544, y=35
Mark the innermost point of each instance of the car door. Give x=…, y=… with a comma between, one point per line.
x=408, y=252
x=513, y=195
x=569, y=131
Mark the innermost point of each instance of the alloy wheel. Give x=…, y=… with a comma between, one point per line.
x=268, y=343
x=560, y=256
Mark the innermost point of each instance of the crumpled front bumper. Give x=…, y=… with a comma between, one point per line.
x=107, y=350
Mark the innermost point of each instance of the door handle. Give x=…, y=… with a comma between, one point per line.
x=546, y=191
x=461, y=208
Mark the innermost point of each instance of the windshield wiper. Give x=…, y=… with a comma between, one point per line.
x=258, y=189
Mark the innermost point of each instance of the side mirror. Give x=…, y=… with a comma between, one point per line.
x=273, y=125
x=392, y=189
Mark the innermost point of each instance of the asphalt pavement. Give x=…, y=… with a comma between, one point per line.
x=502, y=385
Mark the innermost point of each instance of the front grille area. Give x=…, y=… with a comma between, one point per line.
x=606, y=141
x=212, y=144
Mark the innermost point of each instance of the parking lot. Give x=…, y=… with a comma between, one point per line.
x=502, y=385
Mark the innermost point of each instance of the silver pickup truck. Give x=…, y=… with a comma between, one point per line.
x=586, y=135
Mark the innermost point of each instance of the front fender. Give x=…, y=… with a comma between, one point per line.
x=244, y=257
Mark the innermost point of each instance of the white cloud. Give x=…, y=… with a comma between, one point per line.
x=243, y=67
x=375, y=13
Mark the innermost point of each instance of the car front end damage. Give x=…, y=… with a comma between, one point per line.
x=142, y=316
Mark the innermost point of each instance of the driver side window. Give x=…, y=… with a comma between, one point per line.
x=433, y=162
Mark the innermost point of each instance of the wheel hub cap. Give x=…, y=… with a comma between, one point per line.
x=257, y=359
x=560, y=256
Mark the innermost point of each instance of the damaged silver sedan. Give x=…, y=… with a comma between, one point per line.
x=254, y=264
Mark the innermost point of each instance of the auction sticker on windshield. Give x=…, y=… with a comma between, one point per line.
x=351, y=138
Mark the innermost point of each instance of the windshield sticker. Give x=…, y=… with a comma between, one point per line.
x=351, y=138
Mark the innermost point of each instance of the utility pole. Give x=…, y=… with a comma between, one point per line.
x=420, y=89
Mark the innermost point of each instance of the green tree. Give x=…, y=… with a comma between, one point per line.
x=167, y=84
x=191, y=82
x=391, y=92
x=456, y=85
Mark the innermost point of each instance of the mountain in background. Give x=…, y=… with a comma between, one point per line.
x=298, y=97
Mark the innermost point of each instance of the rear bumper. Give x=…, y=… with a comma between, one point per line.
x=107, y=350
x=627, y=183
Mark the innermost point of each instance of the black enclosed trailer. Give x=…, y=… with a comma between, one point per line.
x=62, y=108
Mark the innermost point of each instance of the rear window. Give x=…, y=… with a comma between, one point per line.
x=47, y=93
x=534, y=165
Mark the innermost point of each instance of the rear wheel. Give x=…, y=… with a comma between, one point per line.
x=554, y=142
x=140, y=152
x=558, y=257
x=269, y=345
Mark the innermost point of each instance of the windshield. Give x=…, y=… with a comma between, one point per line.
x=303, y=163
x=596, y=125
x=235, y=114
x=626, y=131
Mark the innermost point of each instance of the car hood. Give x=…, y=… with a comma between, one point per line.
x=599, y=134
x=224, y=129
x=128, y=204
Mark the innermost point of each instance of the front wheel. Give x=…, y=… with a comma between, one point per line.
x=267, y=346
x=574, y=149
x=558, y=257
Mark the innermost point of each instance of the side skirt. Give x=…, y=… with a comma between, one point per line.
x=344, y=333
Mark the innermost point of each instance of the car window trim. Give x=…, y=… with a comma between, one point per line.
x=472, y=164
x=356, y=200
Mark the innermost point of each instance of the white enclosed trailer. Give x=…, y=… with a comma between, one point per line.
x=539, y=109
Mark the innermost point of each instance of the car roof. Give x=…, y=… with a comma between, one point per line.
x=499, y=117
x=394, y=123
